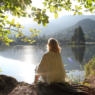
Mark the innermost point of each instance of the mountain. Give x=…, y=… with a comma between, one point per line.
x=87, y=25
x=63, y=23
x=55, y=25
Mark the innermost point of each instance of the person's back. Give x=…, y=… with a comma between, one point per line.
x=54, y=71
x=51, y=68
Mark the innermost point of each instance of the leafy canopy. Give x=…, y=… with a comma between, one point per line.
x=18, y=8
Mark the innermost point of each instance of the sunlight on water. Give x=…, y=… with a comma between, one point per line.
x=76, y=75
x=22, y=71
x=28, y=55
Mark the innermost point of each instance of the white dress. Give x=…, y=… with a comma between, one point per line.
x=51, y=68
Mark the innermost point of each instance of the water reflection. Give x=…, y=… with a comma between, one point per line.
x=78, y=40
x=79, y=52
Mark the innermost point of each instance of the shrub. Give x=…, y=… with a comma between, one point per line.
x=90, y=67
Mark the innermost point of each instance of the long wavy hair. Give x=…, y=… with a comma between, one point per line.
x=53, y=45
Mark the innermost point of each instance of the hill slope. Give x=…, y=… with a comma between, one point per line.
x=88, y=27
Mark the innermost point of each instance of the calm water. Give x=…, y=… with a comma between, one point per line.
x=20, y=61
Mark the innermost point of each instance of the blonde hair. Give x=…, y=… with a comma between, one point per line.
x=53, y=45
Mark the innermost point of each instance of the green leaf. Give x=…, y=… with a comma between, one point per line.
x=79, y=13
x=6, y=17
x=45, y=3
x=18, y=25
x=13, y=21
x=56, y=15
x=32, y=41
x=39, y=22
x=75, y=13
x=33, y=8
x=52, y=9
x=31, y=30
x=59, y=9
x=44, y=23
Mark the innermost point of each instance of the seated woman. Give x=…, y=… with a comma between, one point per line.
x=51, y=68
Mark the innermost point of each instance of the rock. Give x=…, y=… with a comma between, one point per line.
x=7, y=84
x=59, y=89
x=50, y=89
x=91, y=81
x=24, y=89
x=10, y=86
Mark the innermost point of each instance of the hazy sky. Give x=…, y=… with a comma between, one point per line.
x=55, y=24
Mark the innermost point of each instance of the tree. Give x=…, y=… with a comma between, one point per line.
x=18, y=8
x=78, y=37
x=78, y=40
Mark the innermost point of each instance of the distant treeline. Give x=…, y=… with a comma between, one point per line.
x=78, y=38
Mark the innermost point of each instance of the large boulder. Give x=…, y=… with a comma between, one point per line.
x=90, y=81
x=24, y=89
x=60, y=89
x=50, y=89
x=7, y=84
x=10, y=86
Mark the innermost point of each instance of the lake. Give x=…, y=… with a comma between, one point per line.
x=20, y=61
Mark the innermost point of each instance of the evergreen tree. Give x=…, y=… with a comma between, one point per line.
x=78, y=37
x=78, y=40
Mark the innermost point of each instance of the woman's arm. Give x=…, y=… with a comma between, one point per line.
x=40, y=69
x=36, y=78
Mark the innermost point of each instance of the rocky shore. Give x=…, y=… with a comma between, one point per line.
x=10, y=86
